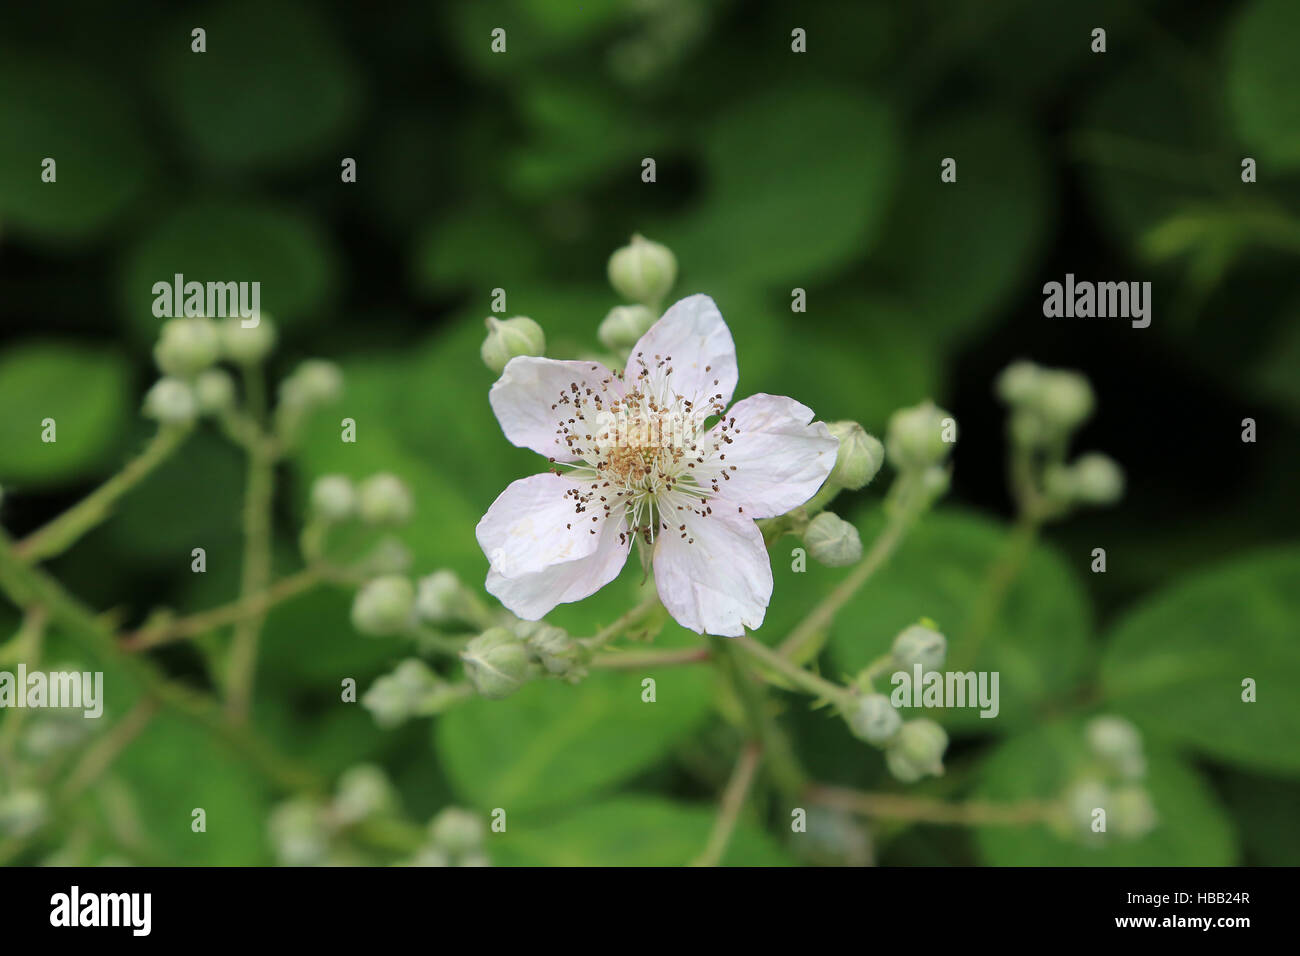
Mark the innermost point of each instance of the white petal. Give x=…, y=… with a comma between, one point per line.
x=703, y=357
x=717, y=579
x=522, y=398
x=778, y=456
x=532, y=596
x=535, y=523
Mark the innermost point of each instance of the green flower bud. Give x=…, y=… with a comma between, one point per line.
x=247, y=346
x=1118, y=742
x=443, y=600
x=1097, y=479
x=22, y=812
x=1063, y=398
x=859, y=457
x=383, y=606
x=832, y=541
x=1131, y=814
x=556, y=651
x=917, y=750
x=874, y=719
x=922, y=645
x=915, y=438
x=623, y=327
x=1018, y=384
x=509, y=338
x=496, y=663
x=1082, y=798
x=643, y=271
x=171, y=402
x=457, y=831
x=314, y=382
x=186, y=347
x=411, y=690
x=333, y=498
x=363, y=792
x=384, y=499
x=214, y=390
x=298, y=833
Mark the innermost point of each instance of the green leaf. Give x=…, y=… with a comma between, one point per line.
x=245, y=104
x=1264, y=80
x=77, y=119
x=799, y=182
x=553, y=743
x=1193, y=829
x=629, y=831
x=1176, y=663
x=224, y=241
x=1037, y=643
x=87, y=393
x=960, y=249
x=175, y=767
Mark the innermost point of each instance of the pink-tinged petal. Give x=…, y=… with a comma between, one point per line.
x=535, y=523
x=532, y=596
x=694, y=341
x=522, y=398
x=777, y=458
x=717, y=578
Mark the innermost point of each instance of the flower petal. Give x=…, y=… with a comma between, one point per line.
x=693, y=334
x=522, y=398
x=535, y=523
x=714, y=578
x=532, y=596
x=778, y=456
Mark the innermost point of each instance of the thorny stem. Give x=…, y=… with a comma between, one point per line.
x=205, y=621
x=258, y=494
x=733, y=801
x=28, y=586
x=803, y=679
x=895, y=806
x=60, y=533
x=622, y=623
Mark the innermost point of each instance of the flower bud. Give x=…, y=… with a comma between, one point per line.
x=457, y=831
x=922, y=645
x=171, y=402
x=363, y=791
x=1131, y=814
x=496, y=663
x=314, y=382
x=832, y=541
x=298, y=832
x=186, y=347
x=859, y=457
x=1097, y=479
x=643, y=271
x=247, y=346
x=1082, y=799
x=623, y=327
x=384, y=499
x=1018, y=383
x=508, y=338
x=874, y=719
x=915, y=438
x=333, y=498
x=22, y=812
x=443, y=599
x=411, y=690
x=917, y=750
x=214, y=390
x=556, y=651
x=1118, y=742
x=383, y=606
x=1063, y=398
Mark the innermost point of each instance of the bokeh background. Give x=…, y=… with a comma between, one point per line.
x=774, y=171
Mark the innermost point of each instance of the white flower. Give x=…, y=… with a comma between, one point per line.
x=637, y=454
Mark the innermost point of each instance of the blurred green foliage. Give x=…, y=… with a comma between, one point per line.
x=775, y=170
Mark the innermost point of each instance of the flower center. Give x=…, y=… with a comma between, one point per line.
x=645, y=454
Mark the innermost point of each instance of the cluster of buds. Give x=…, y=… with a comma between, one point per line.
x=1047, y=407
x=503, y=658
x=456, y=838
x=913, y=748
x=187, y=354
x=308, y=831
x=643, y=273
x=1107, y=796
x=411, y=690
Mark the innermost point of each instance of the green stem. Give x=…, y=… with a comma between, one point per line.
x=648, y=660
x=805, y=680
x=895, y=806
x=784, y=766
x=57, y=536
x=733, y=801
x=993, y=592
x=622, y=623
